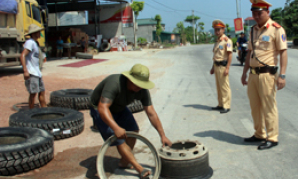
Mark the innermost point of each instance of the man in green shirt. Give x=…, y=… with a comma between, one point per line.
x=112, y=117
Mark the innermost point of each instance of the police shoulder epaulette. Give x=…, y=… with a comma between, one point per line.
x=275, y=24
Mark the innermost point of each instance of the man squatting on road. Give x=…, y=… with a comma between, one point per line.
x=267, y=41
x=112, y=117
x=30, y=62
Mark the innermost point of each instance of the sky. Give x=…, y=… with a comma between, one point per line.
x=174, y=11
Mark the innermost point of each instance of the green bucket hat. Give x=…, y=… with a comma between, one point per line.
x=139, y=75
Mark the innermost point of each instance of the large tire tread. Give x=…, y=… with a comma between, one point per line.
x=74, y=123
x=20, y=159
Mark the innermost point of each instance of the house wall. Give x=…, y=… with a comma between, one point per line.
x=143, y=31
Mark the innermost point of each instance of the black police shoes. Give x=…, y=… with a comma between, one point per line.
x=267, y=145
x=253, y=139
x=217, y=108
x=224, y=110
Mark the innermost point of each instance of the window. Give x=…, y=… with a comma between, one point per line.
x=28, y=9
x=36, y=14
x=3, y=19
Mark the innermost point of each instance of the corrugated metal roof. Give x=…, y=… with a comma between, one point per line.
x=148, y=21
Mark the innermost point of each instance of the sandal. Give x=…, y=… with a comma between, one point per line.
x=145, y=174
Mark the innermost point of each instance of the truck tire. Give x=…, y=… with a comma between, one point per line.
x=135, y=106
x=84, y=55
x=23, y=149
x=61, y=122
x=105, y=46
x=295, y=42
x=185, y=160
x=71, y=98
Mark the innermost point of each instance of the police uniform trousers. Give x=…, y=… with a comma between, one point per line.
x=261, y=93
x=223, y=87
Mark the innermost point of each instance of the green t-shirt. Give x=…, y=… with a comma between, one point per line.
x=114, y=87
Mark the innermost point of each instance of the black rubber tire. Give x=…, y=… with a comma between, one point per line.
x=77, y=99
x=186, y=169
x=84, y=55
x=23, y=149
x=55, y=120
x=135, y=106
x=105, y=46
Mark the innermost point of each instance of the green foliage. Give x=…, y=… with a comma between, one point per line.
x=234, y=40
x=142, y=40
x=158, y=26
x=276, y=15
x=290, y=19
x=228, y=29
x=179, y=27
x=189, y=19
x=201, y=26
x=137, y=7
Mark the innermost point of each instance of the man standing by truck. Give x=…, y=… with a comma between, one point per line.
x=30, y=62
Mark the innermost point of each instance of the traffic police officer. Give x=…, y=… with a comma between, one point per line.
x=267, y=41
x=222, y=57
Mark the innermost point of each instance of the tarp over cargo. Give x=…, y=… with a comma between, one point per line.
x=8, y=6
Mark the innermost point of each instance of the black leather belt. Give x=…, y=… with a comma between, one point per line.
x=266, y=69
x=221, y=63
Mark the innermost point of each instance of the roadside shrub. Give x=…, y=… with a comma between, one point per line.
x=142, y=40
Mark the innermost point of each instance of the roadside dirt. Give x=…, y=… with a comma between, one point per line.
x=73, y=157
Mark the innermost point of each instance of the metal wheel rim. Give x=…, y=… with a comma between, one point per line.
x=105, y=146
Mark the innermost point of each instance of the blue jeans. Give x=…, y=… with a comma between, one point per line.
x=124, y=119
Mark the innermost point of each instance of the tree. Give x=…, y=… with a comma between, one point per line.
x=136, y=7
x=158, y=26
x=228, y=29
x=201, y=34
x=193, y=20
x=179, y=27
x=181, y=30
x=276, y=15
x=189, y=19
x=290, y=18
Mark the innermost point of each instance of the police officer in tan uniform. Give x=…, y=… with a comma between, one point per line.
x=222, y=57
x=267, y=41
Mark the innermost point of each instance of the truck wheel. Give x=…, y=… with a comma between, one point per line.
x=71, y=98
x=105, y=46
x=23, y=149
x=84, y=55
x=135, y=106
x=185, y=159
x=61, y=122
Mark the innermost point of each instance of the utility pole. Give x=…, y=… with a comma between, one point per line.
x=237, y=7
x=193, y=26
x=134, y=27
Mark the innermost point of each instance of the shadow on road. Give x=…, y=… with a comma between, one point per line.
x=224, y=136
x=237, y=64
x=198, y=106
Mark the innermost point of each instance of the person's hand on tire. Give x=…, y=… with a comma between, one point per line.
x=166, y=142
x=120, y=133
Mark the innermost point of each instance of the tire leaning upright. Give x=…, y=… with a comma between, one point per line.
x=71, y=98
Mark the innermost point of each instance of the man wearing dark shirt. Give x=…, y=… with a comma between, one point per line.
x=241, y=40
x=112, y=117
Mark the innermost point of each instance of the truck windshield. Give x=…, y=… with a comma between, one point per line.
x=36, y=14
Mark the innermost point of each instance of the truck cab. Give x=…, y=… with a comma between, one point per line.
x=14, y=24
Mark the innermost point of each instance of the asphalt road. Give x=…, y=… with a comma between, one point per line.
x=186, y=92
x=183, y=96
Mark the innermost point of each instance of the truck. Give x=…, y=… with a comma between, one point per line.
x=15, y=19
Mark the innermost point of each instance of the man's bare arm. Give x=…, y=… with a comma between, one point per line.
x=106, y=115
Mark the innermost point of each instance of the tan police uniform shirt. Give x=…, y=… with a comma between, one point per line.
x=268, y=41
x=221, y=48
